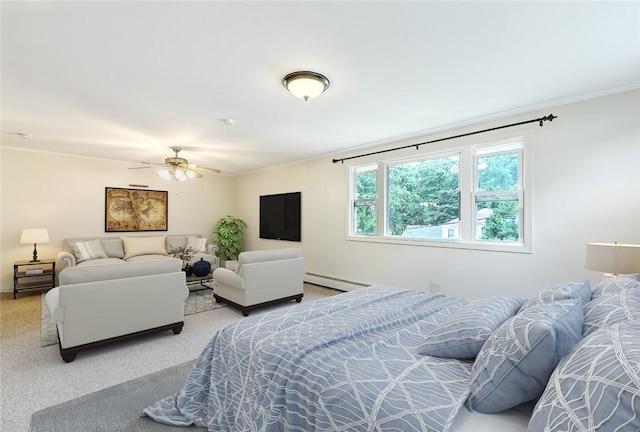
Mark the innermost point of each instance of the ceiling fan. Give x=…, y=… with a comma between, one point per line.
x=177, y=168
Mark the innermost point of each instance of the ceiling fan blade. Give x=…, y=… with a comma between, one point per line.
x=140, y=167
x=202, y=169
x=155, y=163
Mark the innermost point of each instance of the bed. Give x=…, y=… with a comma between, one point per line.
x=387, y=359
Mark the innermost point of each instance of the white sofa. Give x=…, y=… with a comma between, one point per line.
x=261, y=278
x=90, y=251
x=95, y=305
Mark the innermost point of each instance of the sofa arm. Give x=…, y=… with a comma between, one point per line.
x=228, y=277
x=212, y=249
x=52, y=298
x=67, y=259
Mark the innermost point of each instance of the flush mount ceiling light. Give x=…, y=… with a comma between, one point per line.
x=305, y=84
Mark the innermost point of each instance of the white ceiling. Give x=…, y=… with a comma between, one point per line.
x=128, y=80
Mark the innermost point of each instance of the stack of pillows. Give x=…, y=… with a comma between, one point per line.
x=534, y=349
x=597, y=385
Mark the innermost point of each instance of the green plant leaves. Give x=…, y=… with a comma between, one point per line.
x=227, y=234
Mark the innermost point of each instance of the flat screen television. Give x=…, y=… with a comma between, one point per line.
x=280, y=216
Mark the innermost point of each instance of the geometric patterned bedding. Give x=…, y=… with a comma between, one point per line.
x=347, y=362
x=596, y=387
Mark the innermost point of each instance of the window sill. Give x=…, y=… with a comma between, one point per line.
x=447, y=244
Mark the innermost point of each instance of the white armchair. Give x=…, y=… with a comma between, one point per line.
x=261, y=278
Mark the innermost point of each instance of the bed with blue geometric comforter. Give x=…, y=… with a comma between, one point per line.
x=347, y=362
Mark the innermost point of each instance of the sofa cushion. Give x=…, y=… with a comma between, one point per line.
x=462, y=335
x=113, y=247
x=175, y=242
x=596, y=386
x=197, y=244
x=516, y=362
x=100, y=261
x=140, y=258
x=87, y=250
x=151, y=245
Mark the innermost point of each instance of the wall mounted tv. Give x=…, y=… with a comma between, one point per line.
x=280, y=216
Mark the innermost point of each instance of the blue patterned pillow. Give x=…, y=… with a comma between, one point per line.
x=596, y=386
x=614, y=285
x=615, y=306
x=515, y=363
x=562, y=291
x=464, y=333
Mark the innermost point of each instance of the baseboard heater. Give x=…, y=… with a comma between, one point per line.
x=332, y=282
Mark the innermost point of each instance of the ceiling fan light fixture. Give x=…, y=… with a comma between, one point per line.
x=306, y=84
x=176, y=174
x=180, y=175
x=164, y=173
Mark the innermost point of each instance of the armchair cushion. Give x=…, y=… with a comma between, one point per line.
x=264, y=256
x=228, y=277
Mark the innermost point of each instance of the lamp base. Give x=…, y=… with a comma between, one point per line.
x=35, y=254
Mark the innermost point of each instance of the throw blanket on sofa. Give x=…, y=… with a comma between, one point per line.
x=348, y=362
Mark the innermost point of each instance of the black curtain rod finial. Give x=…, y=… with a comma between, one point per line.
x=550, y=117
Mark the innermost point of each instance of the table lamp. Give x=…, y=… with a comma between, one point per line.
x=613, y=258
x=35, y=236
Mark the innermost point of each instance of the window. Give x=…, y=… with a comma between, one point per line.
x=497, y=193
x=423, y=197
x=470, y=197
x=364, y=192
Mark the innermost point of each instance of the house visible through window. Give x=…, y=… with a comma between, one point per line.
x=472, y=197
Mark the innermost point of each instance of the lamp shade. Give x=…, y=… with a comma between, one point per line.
x=613, y=258
x=34, y=235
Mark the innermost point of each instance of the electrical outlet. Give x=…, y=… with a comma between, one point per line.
x=434, y=287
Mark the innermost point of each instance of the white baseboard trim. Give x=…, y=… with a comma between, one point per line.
x=332, y=282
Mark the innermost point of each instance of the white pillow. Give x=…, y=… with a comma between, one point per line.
x=134, y=246
x=87, y=250
x=197, y=244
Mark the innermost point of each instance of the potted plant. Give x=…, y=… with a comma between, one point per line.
x=227, y=234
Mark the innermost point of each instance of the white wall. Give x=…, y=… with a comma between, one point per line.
x=586, y=188
x=65, y=194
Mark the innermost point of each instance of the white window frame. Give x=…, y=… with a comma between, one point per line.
x=467, y=183
x=358, y=169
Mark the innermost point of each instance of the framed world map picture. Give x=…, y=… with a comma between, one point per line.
x=135, y=210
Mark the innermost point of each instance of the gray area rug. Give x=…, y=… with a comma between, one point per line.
x=117, y=408
x=199, y=300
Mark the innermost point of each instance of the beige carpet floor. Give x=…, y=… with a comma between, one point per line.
x=34, y=377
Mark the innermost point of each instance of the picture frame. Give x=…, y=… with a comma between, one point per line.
x=129, y=210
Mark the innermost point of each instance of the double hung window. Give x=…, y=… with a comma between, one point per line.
x=473, y=196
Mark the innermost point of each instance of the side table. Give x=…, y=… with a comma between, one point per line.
x=30, y=275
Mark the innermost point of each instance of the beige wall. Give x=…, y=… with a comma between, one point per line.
x=586, y=188
x=66, y=195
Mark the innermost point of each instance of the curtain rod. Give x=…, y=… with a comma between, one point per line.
x=541, y=120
